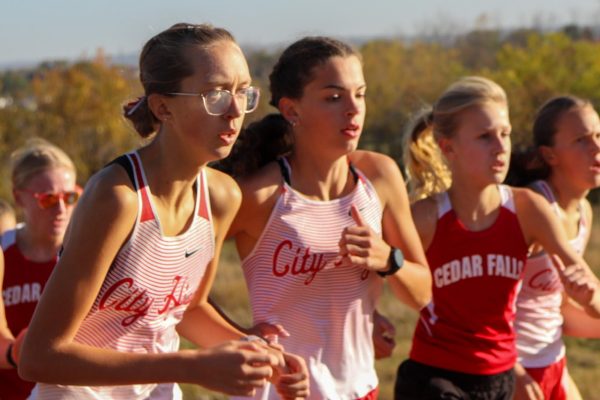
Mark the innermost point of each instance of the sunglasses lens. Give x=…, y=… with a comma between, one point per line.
x=70, y=197
x=47, y=200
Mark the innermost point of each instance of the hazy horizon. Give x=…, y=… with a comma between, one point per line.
x=34, y=30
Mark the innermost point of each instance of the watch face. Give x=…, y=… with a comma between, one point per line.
x=398, y=257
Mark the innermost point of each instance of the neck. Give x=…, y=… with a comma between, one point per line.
x=37, y=247
x=567, y=195
x=170, y=170
x=318, y=177
x=477, y=208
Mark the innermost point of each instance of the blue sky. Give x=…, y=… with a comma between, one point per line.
x=35, y=30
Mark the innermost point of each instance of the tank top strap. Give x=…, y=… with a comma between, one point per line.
x=286, y=170
x=543, y=188
x=443, y=204
x=202, y=198
x=141, y=185
x=506, y=198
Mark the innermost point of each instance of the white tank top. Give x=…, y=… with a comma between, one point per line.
x=539, y=321
x=293, y=281
x=148, y=286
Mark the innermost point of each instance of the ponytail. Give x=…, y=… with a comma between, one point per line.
x=427, y=171
x=260, y=143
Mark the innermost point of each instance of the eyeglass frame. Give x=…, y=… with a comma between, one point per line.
x=231, y=95
x=60, y=195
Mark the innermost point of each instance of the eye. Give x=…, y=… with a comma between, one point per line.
x=334, y=97
x=361, y=95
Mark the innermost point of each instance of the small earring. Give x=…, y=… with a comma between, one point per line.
x=292, y=122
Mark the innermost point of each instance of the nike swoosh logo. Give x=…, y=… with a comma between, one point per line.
x=190, y=253
x=359, y=210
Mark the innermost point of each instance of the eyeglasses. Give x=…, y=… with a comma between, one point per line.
x=217, y=101
x=49, y=200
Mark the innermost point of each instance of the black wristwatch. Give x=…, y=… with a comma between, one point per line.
x=396, y=261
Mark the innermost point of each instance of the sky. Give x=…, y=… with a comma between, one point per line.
x=39, y=30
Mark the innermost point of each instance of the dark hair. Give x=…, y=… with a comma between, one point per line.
x=527, y=164
x=265, y=140
x=164, y=64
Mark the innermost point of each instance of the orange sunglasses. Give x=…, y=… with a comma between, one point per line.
x=49, y=199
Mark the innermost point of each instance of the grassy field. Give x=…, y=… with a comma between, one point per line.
x=230, y=292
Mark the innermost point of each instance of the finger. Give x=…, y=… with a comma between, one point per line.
x=356, y=216
x=256, y=372
x=363, y=241
x=357, y=250
x=557, y=262
x=265, y=329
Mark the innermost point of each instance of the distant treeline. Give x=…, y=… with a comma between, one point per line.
x=78, y=104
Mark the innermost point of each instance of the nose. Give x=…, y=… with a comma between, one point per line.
x=355, y=106
x=236, y=107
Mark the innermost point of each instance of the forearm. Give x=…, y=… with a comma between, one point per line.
x=90, y=366
x=412, y=285
x=216, y=329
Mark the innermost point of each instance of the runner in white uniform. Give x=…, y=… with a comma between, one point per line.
x=567, y=140
x=310, y=262
x=141, y=251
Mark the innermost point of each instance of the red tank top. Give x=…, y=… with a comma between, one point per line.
x=22, y=286
x=468, y=326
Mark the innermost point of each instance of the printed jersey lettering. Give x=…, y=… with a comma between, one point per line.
x=125, y=296
x=473, y=267
x=25, y=293
x=303, y=261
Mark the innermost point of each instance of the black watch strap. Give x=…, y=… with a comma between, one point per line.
x=396, y=261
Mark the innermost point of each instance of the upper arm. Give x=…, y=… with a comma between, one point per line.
x=102, y=221
x=398, y=226
x=5, y=332
x=540, y=224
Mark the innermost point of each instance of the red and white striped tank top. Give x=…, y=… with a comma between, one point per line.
x=148, y=286
x=293, y=280
x=539, y=319
x=468, y=325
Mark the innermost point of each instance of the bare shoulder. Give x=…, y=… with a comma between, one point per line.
x=110, y=189
x=224, y=193
x=424, y=213
x=527, y=200
x=375, y=165
x=588, y=211
x=262, y=185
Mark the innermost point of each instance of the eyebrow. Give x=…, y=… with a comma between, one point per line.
x=337, y=87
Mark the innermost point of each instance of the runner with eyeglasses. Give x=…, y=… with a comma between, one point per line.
x=43, y=181
x=141, y=253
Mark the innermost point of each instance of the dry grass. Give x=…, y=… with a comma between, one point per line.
x=230, y=292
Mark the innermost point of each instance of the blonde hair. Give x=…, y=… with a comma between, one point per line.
x=427, y=169
x=35, y=156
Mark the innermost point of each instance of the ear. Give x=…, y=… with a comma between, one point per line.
x=446, y=146
x=17, y=197
x=548, y=155
x=287, y=108
x=159, y=107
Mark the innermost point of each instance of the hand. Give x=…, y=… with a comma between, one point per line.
x=236, y=368
x=579, y=282
x=383, y=336
x=362, y=247
x=16, y=347
x=526, y=387
x=293, y=383
x=270, y=332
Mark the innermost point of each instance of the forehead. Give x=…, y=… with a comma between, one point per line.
x=487, y=115
x=338, y=71
x=219, y=63
x=578, y=120
x=51, y=178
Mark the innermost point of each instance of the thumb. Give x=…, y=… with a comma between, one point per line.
x=356, y=216
x=558, y=264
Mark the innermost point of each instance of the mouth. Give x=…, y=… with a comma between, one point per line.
x=351, y=130
x=499, y=165
x=228, y=137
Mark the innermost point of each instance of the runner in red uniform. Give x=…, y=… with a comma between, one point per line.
x=43, y=180
x=476, y=233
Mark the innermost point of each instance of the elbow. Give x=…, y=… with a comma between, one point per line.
x=32, y=365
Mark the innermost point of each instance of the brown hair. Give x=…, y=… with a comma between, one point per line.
x=35, y=156
x=427, y=169
x=527, y=165
x=164, y=64
x=265, y=140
